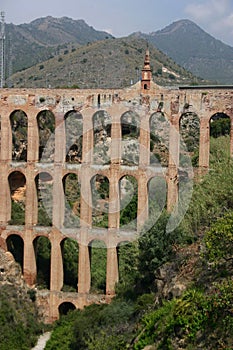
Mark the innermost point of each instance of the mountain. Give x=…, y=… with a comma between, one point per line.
x=43, y=38
x=110, y=63
x=195, y=50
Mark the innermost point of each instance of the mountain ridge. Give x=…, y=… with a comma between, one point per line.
x=195, y=50
x=183, y=41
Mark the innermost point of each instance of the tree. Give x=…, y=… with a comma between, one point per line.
x=219, y=240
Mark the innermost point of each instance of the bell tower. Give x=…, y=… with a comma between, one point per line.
x=146, y=72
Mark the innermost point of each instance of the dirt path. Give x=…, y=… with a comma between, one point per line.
x=42, y=341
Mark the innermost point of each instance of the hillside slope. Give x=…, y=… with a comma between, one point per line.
x=46, y=37
x=112, y=63
x=195, y=50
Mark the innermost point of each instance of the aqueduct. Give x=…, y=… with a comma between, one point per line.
x=143, y=99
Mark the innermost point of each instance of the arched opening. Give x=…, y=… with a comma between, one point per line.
x=128, y=189
x=220, y=127
x=159, y=139
x=145, y=87
x=15, y=245
x=44, y=187
x=74, y=137
x=102, y=137
x=98, y=263
x=157, y=196
x=42, y=248
x=130, y=130
x=72, y=194
x=46, y=127
x=189, y=139
x=65, y=308
x=19, y=126
x=100, y=200
x=69, y=248
x=17, y=186
x=98, y=100
x=127, y=255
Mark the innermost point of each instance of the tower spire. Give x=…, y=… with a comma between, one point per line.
x=146, y=71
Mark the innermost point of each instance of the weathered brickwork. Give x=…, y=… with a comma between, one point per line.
x=145, y=100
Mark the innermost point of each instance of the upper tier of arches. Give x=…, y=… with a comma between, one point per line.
x=100, y=138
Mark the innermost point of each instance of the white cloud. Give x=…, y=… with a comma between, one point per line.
x=215, y=16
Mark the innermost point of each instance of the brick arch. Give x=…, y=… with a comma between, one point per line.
x=44, y=198
x=157, y=195
x=203, y=101
x=15, y=245
x=46, y=139
x=101, y=125
x=98, y=255
x=43, y=261
x=128, y=202
x=17, y=198
x=69, y=246
x=159, y=136
x=224, y=111
x=189, y=138
x=19, y=132
x=66, y=307
x=130, y=147
x=100, y=190
x=122, y=249
x=73, y=122
x=72, y=187
x=224, y=128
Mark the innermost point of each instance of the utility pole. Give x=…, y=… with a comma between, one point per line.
x=2, y=49
x=8, y=57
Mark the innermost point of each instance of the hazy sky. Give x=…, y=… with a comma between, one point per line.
x=122, y=17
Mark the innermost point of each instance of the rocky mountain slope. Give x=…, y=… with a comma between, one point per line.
x=46, y=37
x=111, y=63
x=195, y=50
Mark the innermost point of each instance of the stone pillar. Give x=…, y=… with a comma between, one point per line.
x=59, y=159
x=116, y=142
x=58, y=197
x=144, y=149
x=31, y=212
x=53, y=308
x=114, y=198
x=29, y=262
x=174, y=150
x=56, y=269
x=112, y=275
x=33, y=137
x=60, y=138
x=84, y=269
x=86, y=198
x=88, y=137
x=204, y=144
x=142, y=214
x=5, y=207
x=6, y=136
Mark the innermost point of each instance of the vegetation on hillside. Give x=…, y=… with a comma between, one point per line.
x=200, y=317
x=19, y=325
x=147, y=311
x=110, y=63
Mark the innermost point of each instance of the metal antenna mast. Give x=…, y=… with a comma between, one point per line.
x=2, y=48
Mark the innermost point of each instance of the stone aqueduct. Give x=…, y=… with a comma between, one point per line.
x=146, y=100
